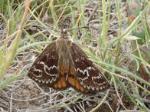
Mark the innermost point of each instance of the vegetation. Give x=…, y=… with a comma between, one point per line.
x=116, y=32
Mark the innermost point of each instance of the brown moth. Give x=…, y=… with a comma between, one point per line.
x=63, y=64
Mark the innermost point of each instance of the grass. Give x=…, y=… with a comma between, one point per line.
x=125, y=58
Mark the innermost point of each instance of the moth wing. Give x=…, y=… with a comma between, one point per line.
x=89, y=76
x=61, y=84
x=44, y=70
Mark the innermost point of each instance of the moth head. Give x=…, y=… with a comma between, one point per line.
x=64, y=33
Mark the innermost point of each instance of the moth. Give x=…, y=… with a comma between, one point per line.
x=63, y=64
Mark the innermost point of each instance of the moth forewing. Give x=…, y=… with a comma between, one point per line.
x=87, y=73
x=45, y=66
